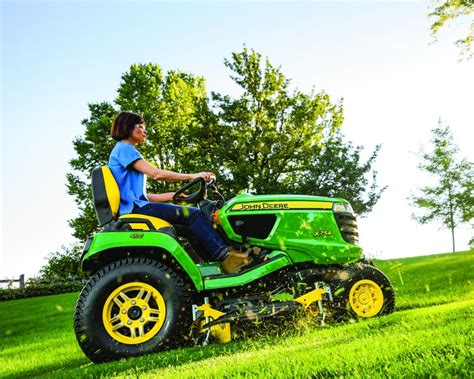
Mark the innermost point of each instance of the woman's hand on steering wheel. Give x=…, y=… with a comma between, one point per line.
x=207, y=176
x=203, y=179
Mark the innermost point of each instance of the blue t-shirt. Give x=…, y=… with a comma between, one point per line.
x=131, y=183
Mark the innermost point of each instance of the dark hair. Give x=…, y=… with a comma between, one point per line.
x=123, y=125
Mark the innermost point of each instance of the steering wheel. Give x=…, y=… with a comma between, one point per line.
x=193, y=197
x=196, y=196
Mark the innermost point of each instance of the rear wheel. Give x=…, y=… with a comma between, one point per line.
x=362, y=290
x=131, y=307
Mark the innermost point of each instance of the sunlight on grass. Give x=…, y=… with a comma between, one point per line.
x=376, y=347
x=421, y=338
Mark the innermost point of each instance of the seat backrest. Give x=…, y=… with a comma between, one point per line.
x=105, y=194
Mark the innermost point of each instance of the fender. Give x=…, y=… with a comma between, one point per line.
x=129, y=241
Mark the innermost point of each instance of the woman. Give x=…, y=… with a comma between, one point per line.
x=129, y=169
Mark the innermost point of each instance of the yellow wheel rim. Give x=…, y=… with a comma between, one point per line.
x=366, y=298
x=134, y=313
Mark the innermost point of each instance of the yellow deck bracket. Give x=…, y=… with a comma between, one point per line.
x=219, y=331
x=307, y=299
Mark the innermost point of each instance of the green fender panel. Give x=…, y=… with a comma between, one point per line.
x=109, y=240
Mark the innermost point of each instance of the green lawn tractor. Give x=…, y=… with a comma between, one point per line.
x=151, y=286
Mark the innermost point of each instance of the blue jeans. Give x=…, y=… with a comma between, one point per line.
x=194, y=219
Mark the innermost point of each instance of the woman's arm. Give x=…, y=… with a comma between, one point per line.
x=153, y=172
x=160, y=197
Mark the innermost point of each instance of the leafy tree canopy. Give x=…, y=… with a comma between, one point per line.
x=275, y=140
x=271, y=139
x=336, y=170
x=269, y=131
x=448, y=10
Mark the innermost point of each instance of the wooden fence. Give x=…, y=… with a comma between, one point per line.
x=20, y=280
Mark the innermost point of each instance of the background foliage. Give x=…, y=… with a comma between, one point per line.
x=61, y=274
x=270, y=139
x=63, y=265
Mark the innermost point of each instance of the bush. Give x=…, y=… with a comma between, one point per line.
x=63, y=265
x=62, y=274
x=39, y=289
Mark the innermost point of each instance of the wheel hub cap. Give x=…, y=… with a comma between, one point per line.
x=366, y=298
x=134, y=313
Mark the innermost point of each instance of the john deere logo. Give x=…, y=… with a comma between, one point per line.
x=136, y=235
x=260, y=206
x=281, y=205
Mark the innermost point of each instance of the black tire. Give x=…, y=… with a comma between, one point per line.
x=163, y=289
x=372, y=293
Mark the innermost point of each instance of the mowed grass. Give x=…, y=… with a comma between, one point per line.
x=431, y=280
x=432, y=334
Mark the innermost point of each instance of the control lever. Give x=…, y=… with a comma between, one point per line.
x=240, y=227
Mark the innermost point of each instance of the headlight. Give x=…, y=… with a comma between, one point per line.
x=342, y=208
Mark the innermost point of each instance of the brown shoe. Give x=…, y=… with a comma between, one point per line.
x=235, y=261
x=258, y=254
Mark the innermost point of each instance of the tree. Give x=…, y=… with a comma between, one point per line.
x=448, y=10
x=336, y=170
x=268, y=131
x=450, y=200
x=269, y=140
x=63, y=265
x=275, y=140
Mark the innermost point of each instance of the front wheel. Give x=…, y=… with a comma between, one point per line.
x=131, y=307
x=363, y=291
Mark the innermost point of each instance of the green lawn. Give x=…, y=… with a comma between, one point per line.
x=431, y=280
x=430, y=334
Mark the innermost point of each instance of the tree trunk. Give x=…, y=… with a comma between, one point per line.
x=452, y=235
x=451, y=216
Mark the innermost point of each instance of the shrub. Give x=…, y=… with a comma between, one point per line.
x=63, y=265
x=39, y=289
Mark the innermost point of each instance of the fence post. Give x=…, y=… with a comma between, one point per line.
x=22, y=280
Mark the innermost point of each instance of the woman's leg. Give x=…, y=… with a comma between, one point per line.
x=192, y=217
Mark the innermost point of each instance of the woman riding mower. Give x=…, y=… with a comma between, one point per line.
x=129, y=169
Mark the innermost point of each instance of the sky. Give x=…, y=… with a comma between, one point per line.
x=377, y=56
